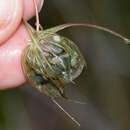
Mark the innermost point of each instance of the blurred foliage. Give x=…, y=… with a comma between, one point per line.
x=105, y=86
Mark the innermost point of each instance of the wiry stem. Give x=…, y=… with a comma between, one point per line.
x=72, y=118
x=63, y=26
x=28, y=28
x=37, y=16
x=30, y=31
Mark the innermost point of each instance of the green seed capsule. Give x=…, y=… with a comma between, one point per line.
x=51, y=61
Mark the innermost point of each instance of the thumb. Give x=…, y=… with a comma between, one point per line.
x=11, y=12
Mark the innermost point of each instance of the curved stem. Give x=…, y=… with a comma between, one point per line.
x=63, y=26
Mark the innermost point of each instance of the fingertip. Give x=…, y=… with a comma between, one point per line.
x=11, y=74
x=11, y=13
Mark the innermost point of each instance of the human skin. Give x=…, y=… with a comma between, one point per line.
x=13, y=37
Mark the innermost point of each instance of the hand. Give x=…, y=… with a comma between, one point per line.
x=13, y=35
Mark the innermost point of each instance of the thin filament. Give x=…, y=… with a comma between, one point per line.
x=37, y=16
x=72, y=118
x=63, y=26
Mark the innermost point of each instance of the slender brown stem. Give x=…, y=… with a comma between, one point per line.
x=61, y=27
x=37, y=16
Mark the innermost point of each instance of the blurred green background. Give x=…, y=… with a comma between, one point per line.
x=105, y=86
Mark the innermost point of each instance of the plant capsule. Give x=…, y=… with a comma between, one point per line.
x=51, y=61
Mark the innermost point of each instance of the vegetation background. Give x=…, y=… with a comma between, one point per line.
x=105, y=87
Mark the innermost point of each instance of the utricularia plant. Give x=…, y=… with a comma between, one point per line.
x=51, y=61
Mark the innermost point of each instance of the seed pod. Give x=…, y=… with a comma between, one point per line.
x=51, y=61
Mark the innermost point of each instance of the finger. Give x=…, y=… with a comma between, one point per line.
x=11, y=12
x=11, y=74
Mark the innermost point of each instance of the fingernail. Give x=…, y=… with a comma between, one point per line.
x=41, y=4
